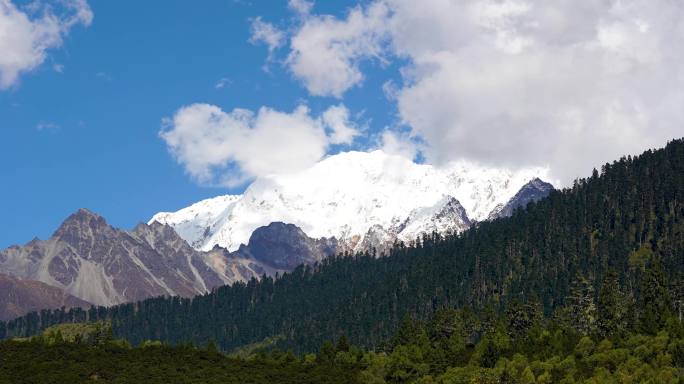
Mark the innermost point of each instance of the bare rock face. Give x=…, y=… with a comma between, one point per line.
x=534, y=190
x=19, y=297
x=285, y=246
x=99, y=264
x=95, y=262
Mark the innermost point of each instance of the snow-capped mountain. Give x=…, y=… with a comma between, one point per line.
x=358, y=198
x=348, y=202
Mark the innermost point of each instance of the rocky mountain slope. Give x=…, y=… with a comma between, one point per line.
x=95, y=262
x=18, y=297
x=535, y=190
x=358, y=198
x=103, y=265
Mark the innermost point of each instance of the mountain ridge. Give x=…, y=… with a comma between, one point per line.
x=347, y=195
x=91, y=260
x=19, y=297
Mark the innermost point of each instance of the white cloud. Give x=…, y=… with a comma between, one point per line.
x=230, y=148
x=302, y=7
x=569, y=84
x=398, y=143
x=25, y=40
x=343, y=130
x=326, y=52
x=267, y=33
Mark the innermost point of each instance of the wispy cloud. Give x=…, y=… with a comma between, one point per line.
x=223, y=82
x=263, y=32
x=48, y=126
x=104, y=76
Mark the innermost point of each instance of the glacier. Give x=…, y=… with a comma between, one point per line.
x=353, y=195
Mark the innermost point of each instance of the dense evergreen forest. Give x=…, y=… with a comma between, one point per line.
x=623, y=222
x=588, y=340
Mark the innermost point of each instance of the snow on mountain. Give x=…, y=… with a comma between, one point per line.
x=352, y=195
x=448, y=215
x=193, y=221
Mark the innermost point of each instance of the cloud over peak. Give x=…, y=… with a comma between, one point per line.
x=569, y=84
x=231, y=148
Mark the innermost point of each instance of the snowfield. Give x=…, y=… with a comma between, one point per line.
x=346, y=195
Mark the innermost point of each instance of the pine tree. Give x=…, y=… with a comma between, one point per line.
x=655, y=299
x=581, y=305
x=612, y=308
x=326, y=353
x=342, y=344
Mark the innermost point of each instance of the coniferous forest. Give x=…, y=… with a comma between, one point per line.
x=584, y=285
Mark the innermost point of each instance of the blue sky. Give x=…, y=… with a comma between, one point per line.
x=131, y=108
x=99, y=146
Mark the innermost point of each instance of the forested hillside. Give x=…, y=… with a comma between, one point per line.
x=625, y=218
x=588, y=340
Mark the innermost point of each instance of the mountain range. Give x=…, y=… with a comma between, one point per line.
x=360, y=198
x=350, y=202
x=622, y=224
x=99, y=264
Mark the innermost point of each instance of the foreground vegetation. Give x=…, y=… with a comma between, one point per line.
x=518, y=349
x=87, y=354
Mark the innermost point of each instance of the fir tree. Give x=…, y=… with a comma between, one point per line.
x=655, y=299
x=581, y=305
x=612, y=307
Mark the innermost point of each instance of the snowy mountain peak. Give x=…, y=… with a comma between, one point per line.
x=534, y=190
x=447, y=215
x=346, y=195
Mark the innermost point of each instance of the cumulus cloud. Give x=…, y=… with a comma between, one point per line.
x=342, y=129
x=27, y=34
x=569, y=84
x=230, y=148
x=326, y=52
